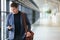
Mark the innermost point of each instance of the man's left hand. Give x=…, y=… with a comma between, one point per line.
x=28, y=34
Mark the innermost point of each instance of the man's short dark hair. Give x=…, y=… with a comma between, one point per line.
x=13, y=4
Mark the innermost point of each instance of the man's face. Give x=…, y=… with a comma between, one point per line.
x=14, y=10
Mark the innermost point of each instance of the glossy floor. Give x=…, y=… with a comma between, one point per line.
x=46, y=32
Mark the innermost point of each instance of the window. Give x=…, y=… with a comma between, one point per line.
x=4, y=11
x=19, y=7
x=28, y=11
x=23, y=9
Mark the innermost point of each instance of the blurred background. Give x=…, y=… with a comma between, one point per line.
x=44, y=16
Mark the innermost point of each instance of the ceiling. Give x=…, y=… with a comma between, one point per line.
x=29, y=4
x=52, y=4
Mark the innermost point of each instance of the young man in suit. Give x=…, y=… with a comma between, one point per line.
x=15, y=24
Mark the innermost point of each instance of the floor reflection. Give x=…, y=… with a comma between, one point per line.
x=46, y=31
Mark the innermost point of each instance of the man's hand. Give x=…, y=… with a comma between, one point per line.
x=9, y=27
x=28, y=34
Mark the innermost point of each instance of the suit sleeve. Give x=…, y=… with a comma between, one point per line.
x=7, y=21
x=7, y=24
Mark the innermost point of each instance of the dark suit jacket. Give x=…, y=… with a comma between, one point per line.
x=10, y=21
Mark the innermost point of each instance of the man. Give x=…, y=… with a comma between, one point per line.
x=15, y=24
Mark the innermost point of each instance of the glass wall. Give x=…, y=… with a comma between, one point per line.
x=4, y=11
x=20, y=7
x=32, y=14
x=28, y=12
x=37, y=15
